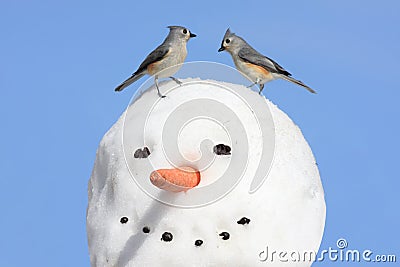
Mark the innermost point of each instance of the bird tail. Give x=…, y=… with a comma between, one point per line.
x=129, y=81
x=290, y=79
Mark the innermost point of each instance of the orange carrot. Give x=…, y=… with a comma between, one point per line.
x=175, y=180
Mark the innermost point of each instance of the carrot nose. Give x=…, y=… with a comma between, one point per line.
x=175, y=180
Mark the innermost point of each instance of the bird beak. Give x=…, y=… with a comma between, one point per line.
x=221, y=49
x=192, y=35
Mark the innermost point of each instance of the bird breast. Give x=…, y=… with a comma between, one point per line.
x=172, y=62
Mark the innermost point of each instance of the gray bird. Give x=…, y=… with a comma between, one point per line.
x=259, y=68
x=165, y=60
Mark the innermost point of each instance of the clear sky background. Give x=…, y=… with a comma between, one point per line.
x=60, y=62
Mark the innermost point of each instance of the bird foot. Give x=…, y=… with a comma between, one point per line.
x=176, y=80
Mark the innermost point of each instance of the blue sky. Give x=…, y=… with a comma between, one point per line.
x=61, y=61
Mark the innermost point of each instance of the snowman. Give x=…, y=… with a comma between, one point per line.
x=212, y=175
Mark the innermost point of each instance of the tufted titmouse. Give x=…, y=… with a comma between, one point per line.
x=165, y=60
x=260, y=69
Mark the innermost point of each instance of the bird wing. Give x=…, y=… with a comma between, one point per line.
x=156, y=55
x=250, y=55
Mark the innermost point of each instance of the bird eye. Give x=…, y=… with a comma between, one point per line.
x=184, y=31
x=227, y=41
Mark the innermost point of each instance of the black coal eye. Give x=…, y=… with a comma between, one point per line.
x=184, y=31
x=227, y=41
